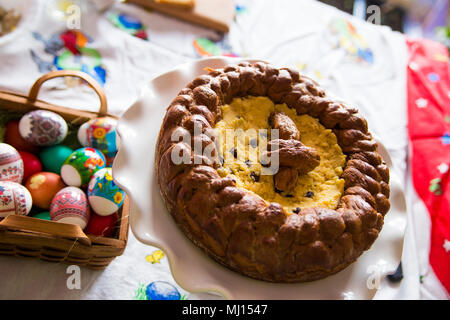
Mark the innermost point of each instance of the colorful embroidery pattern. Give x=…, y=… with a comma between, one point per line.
x=348, y=39
x=240, y=9
x=205, y=47
x=128, y=24
x=155, y=257
x=158, y=290
x=70, y=51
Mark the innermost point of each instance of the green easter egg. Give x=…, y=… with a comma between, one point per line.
x=79, y=167
x=53, y=157
x=43, y=215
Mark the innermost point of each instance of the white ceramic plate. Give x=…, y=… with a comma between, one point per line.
x=193, y=270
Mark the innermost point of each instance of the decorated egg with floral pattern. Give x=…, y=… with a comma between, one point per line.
x=79, y=167
x=105, y=197
x=43, y=128
x=70, y=205
x=100, y=133
x=14, y=199
x=11, y=164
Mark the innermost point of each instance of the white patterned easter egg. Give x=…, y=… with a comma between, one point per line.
x=14, y=199
x=105, y=197
x=43, y=128
x=70, y=205
x=11, y=164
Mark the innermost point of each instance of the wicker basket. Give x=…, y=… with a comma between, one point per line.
x=53, y=241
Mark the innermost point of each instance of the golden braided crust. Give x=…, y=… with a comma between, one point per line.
x=239, y=229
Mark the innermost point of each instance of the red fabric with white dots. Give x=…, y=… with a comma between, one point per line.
x=428, y=87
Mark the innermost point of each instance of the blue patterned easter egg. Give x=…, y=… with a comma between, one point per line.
x=81, y=165
x=99, y=133
x=161, y=290
x=105, y=197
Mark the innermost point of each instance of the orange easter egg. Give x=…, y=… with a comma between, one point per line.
x=43, y=186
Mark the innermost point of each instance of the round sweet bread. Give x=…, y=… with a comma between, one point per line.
x=314, y=214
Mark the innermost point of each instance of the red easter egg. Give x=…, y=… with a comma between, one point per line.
x=102, y=225
x=13, y=137
x=31, y=164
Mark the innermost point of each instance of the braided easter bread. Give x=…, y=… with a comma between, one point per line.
x=238, y=228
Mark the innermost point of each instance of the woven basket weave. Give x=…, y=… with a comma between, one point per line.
x=53, y=241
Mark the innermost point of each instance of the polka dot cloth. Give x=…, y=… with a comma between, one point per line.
x=429, y=131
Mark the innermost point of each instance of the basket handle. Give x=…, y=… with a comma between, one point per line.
x=60, y=230
x=34, y=91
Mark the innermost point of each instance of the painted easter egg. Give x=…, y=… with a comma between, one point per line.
x=105, y=197
x=43, y=186
x=11, y=164
x=14, y=199
x=13, y=138
x=70, y=205
x=43, y=128
x=100, y=133
x=102, y=225
x=45, y=215
x=53, y=157
x=79, y=167
x=31, y=164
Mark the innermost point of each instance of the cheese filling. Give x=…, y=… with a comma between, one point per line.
x=243, y=133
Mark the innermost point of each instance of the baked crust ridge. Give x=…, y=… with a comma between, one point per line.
x=239, y=229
